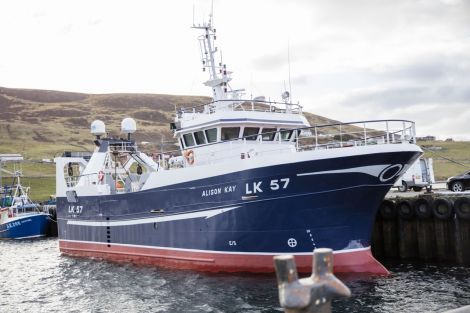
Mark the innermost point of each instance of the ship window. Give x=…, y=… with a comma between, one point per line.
x=230, y=133
x=270, y=136
x=199, y=136
x=188, y=140
x=251, y=133
x=211, y=134
x=286, y=134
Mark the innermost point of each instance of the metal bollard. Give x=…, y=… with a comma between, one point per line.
x=312, y=294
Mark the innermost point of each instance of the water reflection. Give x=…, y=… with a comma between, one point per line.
x=34, y=277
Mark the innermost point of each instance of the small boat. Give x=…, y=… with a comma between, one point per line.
x=20, y=217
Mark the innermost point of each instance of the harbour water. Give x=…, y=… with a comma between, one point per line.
x=34, y=277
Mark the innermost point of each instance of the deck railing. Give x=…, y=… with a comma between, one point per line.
x=244, y=105
x=317, y=137
x=362, y=133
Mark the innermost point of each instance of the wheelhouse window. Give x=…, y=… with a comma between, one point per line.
x=268, y=134
x=188, y=140
x=229, y=133
x=251, y=133
x=199, y=136
x=211, y=135
x=286, y=134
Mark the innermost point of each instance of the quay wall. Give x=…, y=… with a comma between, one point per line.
x=430, y=227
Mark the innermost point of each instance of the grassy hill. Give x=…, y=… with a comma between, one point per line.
x=41, y=124
x=450, y=158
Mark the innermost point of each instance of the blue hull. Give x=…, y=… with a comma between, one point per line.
x=30, y=226
x=290, y=208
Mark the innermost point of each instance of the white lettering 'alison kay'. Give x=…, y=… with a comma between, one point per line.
x=218, y=190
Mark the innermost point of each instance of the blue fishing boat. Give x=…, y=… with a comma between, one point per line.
x=19, y=216
x=254, y=179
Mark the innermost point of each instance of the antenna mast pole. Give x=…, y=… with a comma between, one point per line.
x=218, y=75
x=288, y=61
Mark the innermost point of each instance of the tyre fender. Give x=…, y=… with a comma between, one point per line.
x=422, y=208
x=405, y=209
x=388, y=210
x=462, y=208
x=442, y=209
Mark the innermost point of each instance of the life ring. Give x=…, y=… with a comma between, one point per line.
x=189, y=156
x=100, y=176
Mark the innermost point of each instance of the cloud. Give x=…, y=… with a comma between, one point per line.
x=409, y=96
x=429, y=68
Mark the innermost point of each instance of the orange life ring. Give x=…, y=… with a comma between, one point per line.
x=100, y=176
x=189, y=156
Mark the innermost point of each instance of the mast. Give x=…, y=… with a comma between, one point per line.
x=219, y=77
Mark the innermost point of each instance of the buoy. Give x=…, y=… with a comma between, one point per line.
x=189, y=156
x=100, y=176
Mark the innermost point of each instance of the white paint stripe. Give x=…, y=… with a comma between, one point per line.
x=184, y=175
x=23, y=216
x=213, y=251
x=27, y=237
x=372, y=170
x=207, y=214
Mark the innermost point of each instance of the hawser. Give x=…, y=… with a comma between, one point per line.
x=254, y=180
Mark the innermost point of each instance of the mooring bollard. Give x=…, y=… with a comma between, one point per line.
x=312, y=294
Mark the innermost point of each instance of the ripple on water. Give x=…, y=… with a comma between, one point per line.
x=34, y=277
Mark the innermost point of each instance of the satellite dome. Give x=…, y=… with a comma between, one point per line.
x=98, y=128
x=128, y=125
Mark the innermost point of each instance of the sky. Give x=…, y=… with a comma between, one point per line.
x=349, y=60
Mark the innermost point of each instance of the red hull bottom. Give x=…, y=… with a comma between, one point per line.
x=351, y=261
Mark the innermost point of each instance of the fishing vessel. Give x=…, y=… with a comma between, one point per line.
x=20, y=218
x=253, y=179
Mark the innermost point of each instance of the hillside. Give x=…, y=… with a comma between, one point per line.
x=450, y=158
x=42, y=123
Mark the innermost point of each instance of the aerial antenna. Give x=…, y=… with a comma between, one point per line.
x=193, y=12
x=288, y=62
x=212, y=13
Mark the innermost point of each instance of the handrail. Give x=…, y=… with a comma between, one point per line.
x=297, y=108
